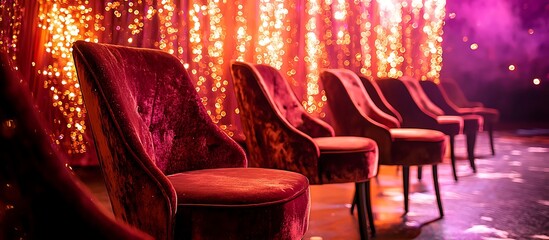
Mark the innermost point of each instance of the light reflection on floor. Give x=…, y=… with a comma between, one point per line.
x=507, y=199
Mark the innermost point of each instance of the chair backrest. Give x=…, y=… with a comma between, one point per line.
x=420, y=97
x=277, y=128
x=401, y=98
x=40, y=198
x=350, y=87
x=377, y=96
x=456, y=95
x=354, y=113
x=147, y=121
x=437, y=95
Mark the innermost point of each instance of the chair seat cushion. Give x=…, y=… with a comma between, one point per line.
x=241, y=203
x=413, y=147
x=416, y=134
x=450, y=125
x=237, y=187
x=346, y=159
x=344, y=144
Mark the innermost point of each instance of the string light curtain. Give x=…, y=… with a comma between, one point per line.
x=379, y=38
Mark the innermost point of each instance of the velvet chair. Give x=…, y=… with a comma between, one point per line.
x=471, y=123
x=281, y=134
x=40, y=197
x=457, y=97
x=415, y=115
x=376, y=95
x=354, y=113
x=169, y=170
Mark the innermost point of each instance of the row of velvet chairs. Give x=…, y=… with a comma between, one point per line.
x=173, y=174
x=416, y=138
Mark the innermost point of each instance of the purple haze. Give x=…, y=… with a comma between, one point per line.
x=508, y=32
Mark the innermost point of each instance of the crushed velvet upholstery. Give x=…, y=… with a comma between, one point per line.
x=456, y=97
x=433, y=100
x=354, y=113
x=414, y=115
x=280, y=134
x=40, y=197
x=408, y=97
x=160, y=153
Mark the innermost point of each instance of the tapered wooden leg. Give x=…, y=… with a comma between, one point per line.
x=491, y=137
x=405, y=185
x=437, y=190
x=419, y=172
x=369, y=209
x=353, y=204
x=360, y=190
x=471, y=139
x=453, y=156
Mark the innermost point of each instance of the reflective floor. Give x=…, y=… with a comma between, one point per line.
x=507, y=199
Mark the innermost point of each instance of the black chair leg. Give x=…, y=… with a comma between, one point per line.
x=405, y=185
x=453, y=157
x=353, y=204
x=369, y=209
x=419, y=172
x=491, y=137
x=360, y=190
x=437, y=190
x=471, y=139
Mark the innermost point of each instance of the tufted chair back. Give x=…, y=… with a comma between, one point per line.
x=147, y=122
x=287, y=142
x=348, y=98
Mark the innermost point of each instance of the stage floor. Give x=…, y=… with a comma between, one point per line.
x=508, y=198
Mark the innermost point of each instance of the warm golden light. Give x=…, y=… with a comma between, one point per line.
x=378, y=38
x=511, y=67
x=536, y=81
x=474, y=46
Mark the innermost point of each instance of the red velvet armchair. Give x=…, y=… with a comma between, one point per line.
x=40, y=197
x=403, y=97
x=354, y=113
x=457, y=97
x=471, y=123
x=281, y=134
x=169, y=170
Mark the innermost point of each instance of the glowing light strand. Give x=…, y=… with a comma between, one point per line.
x=66, y=23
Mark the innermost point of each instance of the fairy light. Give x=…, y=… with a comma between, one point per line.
x=411, y=22
x=10, y=26
x=379, y=38
x=433, y=16
x=270, y=40
x=314, y=49
x=65, y=23
x=242, y=37
x=388, y=42
x=215, y=54
x=343, y=38
x=365, y=35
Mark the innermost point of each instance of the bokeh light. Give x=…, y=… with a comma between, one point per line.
x=388, y=38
